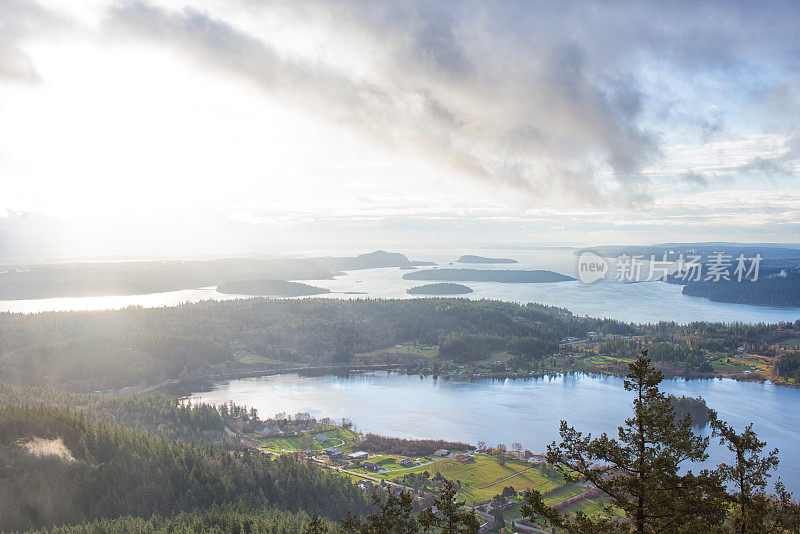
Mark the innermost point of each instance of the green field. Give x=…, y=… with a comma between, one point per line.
x=344, y=440
x=563, y=493
x=792, y=343
x=485, y=477
x=741, y=363
x=404, y=348
x=502, y=357
x=254, y=359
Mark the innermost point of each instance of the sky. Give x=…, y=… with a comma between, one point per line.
x=170, y=128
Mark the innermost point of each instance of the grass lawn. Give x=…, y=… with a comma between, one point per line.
x=485, y=477
x=743, y=362
x=598, y=359
x=729, y=365
x=502, y=357
x=563, y=493
x=296, y=443
x=405, y=348
x=592, y=507
x=254, y=359
x=342, y=438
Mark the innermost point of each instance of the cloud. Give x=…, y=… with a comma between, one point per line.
x=555, y=103
x=541, y=119
x=21, y=21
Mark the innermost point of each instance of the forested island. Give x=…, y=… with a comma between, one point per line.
x=470, y=258
x=778, y=284
x=270, y=288
x=443, y=288
x=489, y=275
x=135, y=347
x=140, y=277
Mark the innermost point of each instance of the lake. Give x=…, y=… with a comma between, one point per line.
x=641, y=302
x=508, y=411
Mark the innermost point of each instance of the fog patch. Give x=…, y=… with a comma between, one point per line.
x=41, y=447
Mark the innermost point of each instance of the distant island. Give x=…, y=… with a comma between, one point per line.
x=372, y=260
x=79, y=279
x=488, y=275
x=469, y=258
x=270, y=288
x=441, y=288
x=778, y=284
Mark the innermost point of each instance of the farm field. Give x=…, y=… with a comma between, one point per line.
x=742, y=363
x=501, y=357
x=601, y=359
x=563, y=493
x=341, y=438
x=402, y=349
x=485, y=477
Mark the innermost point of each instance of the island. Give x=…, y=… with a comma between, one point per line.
x=270, y=288
x=77, y=279
x=469, y=258
x=778, y=284
x=489, y=275
x=372, y=260
x=441, y=288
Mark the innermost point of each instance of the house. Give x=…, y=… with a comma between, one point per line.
x=464, y=458
x=358, y=455
x=333, y=453
x=371, y=466
x=321, y=438
x=441, y=452
x=406, y=462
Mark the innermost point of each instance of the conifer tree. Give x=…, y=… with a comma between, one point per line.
x=449, y=518
x=640, y=470
x=395, y=515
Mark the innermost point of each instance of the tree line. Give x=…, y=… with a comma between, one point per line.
x=58, y=467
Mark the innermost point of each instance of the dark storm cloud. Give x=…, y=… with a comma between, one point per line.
x=547, y=97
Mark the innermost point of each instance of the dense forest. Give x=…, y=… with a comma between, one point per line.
x=218, y=520
x=87, y=351
x=59, y=467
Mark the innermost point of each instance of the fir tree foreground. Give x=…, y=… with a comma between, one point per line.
x=645, y=472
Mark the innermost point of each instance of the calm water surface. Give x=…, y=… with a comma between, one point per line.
x=641, y=303
x=508, y=411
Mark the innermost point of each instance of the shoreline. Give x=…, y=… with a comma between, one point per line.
x=361, y=369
